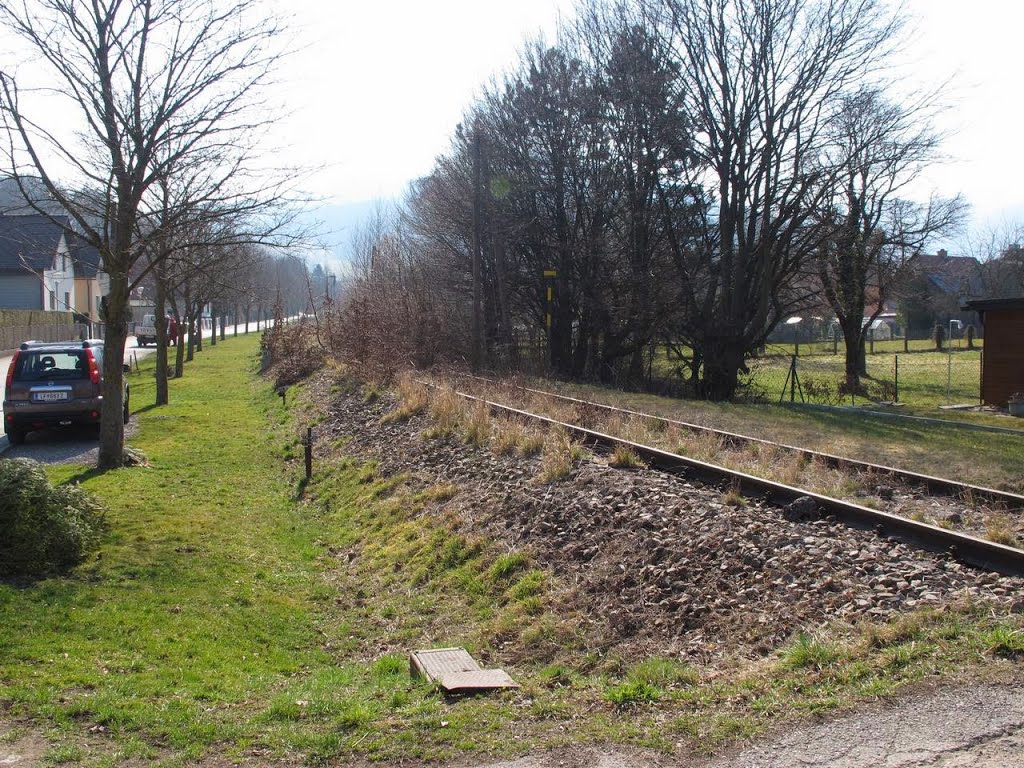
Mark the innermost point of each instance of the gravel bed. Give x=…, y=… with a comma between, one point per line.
x=649, y=555
x=875, y=490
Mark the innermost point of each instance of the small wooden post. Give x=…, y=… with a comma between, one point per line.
x=308, y=442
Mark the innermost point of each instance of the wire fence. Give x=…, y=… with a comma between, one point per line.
x=928, y=379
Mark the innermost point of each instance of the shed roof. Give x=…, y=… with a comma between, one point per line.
x=29, y=241
x=987, y=305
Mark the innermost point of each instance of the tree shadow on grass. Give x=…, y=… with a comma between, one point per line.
x=87, y=474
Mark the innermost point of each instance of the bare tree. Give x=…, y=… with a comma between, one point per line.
x=153, y=89
x=760, y=82
x=876, y=149
x=1000, y=249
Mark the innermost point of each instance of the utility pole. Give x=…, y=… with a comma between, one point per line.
x=477, y=353
x=550, y=276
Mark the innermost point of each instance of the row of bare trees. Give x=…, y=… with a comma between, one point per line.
x=153, y=152
x=678, y=172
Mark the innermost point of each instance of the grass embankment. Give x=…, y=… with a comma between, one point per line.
x=223, y=618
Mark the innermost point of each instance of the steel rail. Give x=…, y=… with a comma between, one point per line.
x=936, y=485
x=967, y=549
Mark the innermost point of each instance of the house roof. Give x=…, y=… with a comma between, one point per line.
x=84, y=257
x=953, y=275
x=29, y=241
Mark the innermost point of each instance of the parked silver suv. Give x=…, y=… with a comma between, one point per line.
x=55, y=384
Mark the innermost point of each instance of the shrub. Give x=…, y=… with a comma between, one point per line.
x=43, y=527
x=292, y=352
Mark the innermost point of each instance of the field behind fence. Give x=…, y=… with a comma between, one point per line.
x=923, y=378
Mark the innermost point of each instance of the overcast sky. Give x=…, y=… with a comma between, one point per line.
x=376, y=89
x=379, y=89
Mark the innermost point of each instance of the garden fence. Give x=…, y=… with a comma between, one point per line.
x=923, y=379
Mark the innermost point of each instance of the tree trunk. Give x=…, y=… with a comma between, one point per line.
x=236, y=321
x=162, y=397
x=191, y=320
x=179, y=351
x=213, y=326
x=853, y=341
x=721, y=371
x=111, y=451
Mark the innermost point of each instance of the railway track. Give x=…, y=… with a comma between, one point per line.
x=1010, y=502
x=965, y=548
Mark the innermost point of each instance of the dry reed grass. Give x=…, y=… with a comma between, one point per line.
x=413, y=399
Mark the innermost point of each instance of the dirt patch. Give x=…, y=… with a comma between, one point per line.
x=20, y=747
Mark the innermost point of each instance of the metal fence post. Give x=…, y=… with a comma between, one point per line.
x=896, y=379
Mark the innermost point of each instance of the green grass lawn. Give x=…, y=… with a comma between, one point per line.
x=926, y=379
x=224, y=618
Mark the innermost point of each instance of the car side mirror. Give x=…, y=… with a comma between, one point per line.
x=126, y=368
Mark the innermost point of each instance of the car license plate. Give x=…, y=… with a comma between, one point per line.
x=49, y=397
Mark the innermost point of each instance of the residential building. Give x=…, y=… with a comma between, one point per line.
x=36, y=269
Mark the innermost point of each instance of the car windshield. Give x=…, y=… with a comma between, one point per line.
x=51, y=365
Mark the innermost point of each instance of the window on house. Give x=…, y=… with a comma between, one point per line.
x=67, y=301
x=53, y=301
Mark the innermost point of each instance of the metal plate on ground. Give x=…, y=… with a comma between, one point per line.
x=455, y=671
x=477, y=680
x=436, y=663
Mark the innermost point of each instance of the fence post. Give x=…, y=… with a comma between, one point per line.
x=308, y=443
x=792, y=381
x=896, y=377
x=949, y=371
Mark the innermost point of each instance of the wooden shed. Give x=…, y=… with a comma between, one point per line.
x=1002, y=362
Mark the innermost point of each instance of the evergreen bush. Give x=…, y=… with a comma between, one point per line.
x=43, y=527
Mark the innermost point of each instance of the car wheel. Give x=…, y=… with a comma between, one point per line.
x=16, y=436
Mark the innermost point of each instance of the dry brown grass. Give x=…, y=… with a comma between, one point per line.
x=447, y=410
x=413, y=399
x=702, y=446
x=624, y=457
x=477, y=427
x=561, y=453
x=506, y=435
x=734, y=498
x=531, y=443
x=999, y=528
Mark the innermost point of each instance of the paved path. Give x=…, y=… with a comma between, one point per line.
x=974, y=726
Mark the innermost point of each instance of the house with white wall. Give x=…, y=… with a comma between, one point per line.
x=36, y=270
